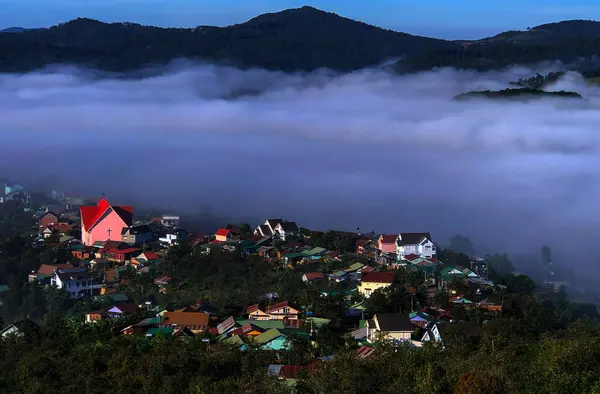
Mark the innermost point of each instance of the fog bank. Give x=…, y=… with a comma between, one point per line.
x=369, y=149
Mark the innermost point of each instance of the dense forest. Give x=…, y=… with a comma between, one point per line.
x=302, y=39
x=519, y=94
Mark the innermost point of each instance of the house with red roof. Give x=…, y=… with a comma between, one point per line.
x=371, y=281
x=387, y=243
x=223, y=235
x=104, y=222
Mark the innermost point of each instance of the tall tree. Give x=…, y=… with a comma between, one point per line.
x=462, y=244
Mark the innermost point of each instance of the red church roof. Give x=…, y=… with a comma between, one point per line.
x=223, y=232
x=91, y=214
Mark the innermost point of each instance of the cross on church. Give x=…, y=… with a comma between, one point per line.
x=109, y=231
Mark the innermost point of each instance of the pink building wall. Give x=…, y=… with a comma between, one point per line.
x=100, y=231
x=387, y=248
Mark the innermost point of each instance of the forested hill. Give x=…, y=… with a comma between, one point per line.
x=294, y=39
x=567, y=41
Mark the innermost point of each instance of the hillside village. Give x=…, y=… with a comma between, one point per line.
x=356, y=275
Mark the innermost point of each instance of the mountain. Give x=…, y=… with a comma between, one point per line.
x=294, y=39
x=13, y=30
x=300, y=39
x=568, y=41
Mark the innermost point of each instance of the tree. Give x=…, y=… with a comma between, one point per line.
x=500, y=265
x=462, y=244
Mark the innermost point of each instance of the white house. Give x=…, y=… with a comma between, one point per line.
x=75, y=281
x=173, y=238
x=416, y=244
x=285, y=229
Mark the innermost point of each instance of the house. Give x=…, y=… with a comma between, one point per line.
x=119, y=255
x=387, y=243
x=268, y=229
x=171, y=221
x=48, y=219
x=272, y=339
x=118, y=310
x=12, y=188
x=144, y=259
x=173, y=238
x=196, y=322
x=223, y=235
x=104, y=222
x=439, y=331
x=312, y=277
x=45, y=273
x=282, y=310
x=489, y=306
x=137, y=234
x=255, y=313
x=20, y=328
x=286, y=229
x=76, y=281
x=371, y=281
x=394, y=326
x=419, y=244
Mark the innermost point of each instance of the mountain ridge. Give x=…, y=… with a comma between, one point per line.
x=299, y=39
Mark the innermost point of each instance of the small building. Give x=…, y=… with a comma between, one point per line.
x=196, y=322
x=419, y=244
x=76, y=281
x=48, y=219
x=171, y=221
x=286, y=229
x=137, y=234
x=223, y=235
x=437, y=333
x=313, y=277
x=387, y=243
x=372, y=281
x=395, y=326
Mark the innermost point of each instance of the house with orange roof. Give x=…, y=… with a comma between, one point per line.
x=104, y=222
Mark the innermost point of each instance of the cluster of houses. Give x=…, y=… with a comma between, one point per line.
x=104, y=240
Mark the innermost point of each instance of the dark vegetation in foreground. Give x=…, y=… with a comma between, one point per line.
x=521, y=94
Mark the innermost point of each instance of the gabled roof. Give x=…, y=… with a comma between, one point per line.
x=413, y=238
x=468, y=329
x=394, y=322
x=378, y=277
x=288, y=227
x=279, y=305
x=223, y=232
x=313, y=275
x=127, y=308
x=91, y=214
x=149, y=256
x=191, y=320
x=388, y=238
x=48, y=270
x=226, y=325
x=268, y=336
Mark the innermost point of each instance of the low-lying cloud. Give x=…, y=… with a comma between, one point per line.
x=369, y=149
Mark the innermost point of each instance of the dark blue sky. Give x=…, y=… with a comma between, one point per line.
x=440, y=18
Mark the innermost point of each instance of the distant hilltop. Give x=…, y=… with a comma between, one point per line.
x=521, y=93
x=301, y=39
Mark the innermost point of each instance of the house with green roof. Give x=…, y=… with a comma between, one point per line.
x=272, y=339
